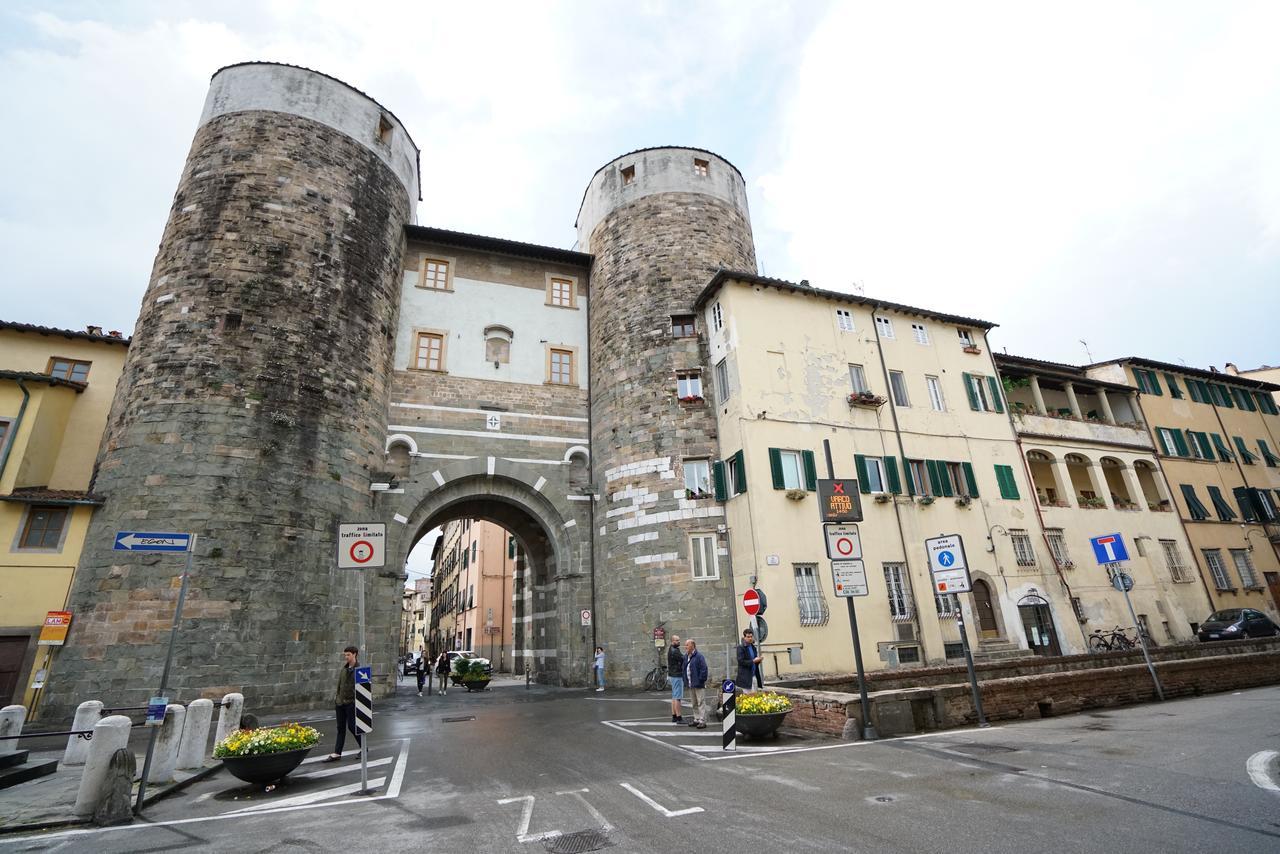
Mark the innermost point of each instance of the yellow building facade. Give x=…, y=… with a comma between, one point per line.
x=1218, y=441
x=56, y=388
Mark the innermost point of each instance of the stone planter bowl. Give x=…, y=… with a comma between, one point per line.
x=758, y=726
x=475, y=684
x=265, y=768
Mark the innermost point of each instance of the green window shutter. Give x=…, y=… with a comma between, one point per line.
x=1180, y=444
x=1246, y=456
x=1225, y=513
x=1244, y=497
x=1193, y=391
x=810, y=471
x=969, y=390
x=891, y=475
x=1270, y=458
x=1164, y=443
x=1206, y=447
x=970, y=479
x=1243, y=399
x=717, y=481
x=1140, y=378
x=908, y=477
x=1224, y=396
x=1266, y=402
x=1195, y=509
x=1172, y=381
x=994, y=385
x=1224, y=453
x=944, y=477
x=935, y=482
x=860, y=466
x=1008, y=485
x=740, y=476
x=775, y=469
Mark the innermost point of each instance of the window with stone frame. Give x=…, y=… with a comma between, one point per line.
x=682, y=326
x=434, y=274
x=43, y=527
x=628, y=175
x=1217, y=571
x=689, y=385
x=697, y=479
x=75, y=370
x=1023, y=551
x=560, y=366
x=812, y=604
x=497, y=350
x=701, y=167
x=1245, y=568
x=722, y=379
x=717, y=317
x=429, y=351
x=560, y=292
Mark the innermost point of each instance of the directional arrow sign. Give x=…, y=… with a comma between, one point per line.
x=140, y=541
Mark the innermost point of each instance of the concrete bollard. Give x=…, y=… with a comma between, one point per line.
x=109, y=735
x=115, y=806
x=229, y=715
x=165, y=758
x=88, y=714
x=11, y=720
x=195, y=734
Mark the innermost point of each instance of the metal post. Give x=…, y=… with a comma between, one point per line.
x=364, y=739
x=164, y=674
x=968, y=662
x=868, y=730
x=1142, y=639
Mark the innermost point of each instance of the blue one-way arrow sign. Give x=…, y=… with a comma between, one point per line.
x=140, y=541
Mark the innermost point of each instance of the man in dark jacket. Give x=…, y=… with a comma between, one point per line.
x=695, y=676
x=344, y=701
x=675, y=678
x=749, y=659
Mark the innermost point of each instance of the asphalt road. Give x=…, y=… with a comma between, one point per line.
x=567, y=770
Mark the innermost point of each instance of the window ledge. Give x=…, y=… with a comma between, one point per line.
x=435, y=290
x=553, y=305
x=428, y=370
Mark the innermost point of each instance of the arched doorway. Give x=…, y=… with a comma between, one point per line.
x=1037, y=622
x=988, y=626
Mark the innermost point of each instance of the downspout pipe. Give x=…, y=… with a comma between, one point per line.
x=591, y=465
x=17, y=425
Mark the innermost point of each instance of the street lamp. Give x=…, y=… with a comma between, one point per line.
x=1247, y=534
x=991, y=543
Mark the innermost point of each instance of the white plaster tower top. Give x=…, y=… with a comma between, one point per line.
x=302, y=92
x=650, y=171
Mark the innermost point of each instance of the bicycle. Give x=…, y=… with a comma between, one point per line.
x=1114, y=640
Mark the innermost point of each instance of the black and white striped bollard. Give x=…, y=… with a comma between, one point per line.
x=364, y=722
x=728, y=706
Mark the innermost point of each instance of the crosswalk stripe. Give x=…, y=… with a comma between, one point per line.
x=669, y=734
x=310, y=798
x=330, y=772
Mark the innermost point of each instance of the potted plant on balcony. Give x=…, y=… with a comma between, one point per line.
x=926, y=499
x=866, y=398
x=796, y=494
x=973, y=348
x=761, y=713
x=1094, y=503
x=691, y=398
x=266, y=754
x=883, y=497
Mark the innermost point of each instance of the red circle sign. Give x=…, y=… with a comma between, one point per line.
x=844, y=545
x=361, y=552
x=751, y=602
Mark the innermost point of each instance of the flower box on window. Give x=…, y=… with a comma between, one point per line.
x=963, y=501
x=1092, y=503
x=867, y=399
x=882, y=498
x=926, y=499
x=692, y=398
x=796, y=494
x=977, y=351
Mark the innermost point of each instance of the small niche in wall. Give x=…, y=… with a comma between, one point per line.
x=628, y=175
x=384, y=130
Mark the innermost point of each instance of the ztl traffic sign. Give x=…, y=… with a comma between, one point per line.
x=843, y=542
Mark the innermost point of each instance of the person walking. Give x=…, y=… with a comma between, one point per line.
x=442, y=673
x=675, y=678
x=421, y=665
x=344, y=701
x=695, y=677
x=749, y=659
x=597, y=667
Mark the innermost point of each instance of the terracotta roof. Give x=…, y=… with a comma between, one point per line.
x=723, y=276
x=33, y=377
x=1199, y=373
x=443, y=236
x=44, y=495
x=65, y=333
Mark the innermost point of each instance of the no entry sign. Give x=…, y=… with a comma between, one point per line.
x=751, y=602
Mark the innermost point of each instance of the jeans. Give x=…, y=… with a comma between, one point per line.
x=346, y=715
x=442, y=682
x=422, y=678
x=599, y=676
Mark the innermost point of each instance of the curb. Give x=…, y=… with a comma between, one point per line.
x=207, y=771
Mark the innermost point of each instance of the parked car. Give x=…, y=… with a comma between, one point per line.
x=455, y=654
x=1236, y=623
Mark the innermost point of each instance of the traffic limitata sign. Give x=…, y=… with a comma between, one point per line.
x=362, y=545
x=849, y=578
x=948, y=564
x=843, y=542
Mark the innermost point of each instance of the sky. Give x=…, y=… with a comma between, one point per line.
x=1101, y=179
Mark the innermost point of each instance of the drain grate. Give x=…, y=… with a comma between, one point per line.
x=459, y=719
x=576, y=843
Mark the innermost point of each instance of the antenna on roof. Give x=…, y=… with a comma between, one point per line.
x=1087, y=354
x=859, y=289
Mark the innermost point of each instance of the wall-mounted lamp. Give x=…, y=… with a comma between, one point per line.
x=991, y=543
x=1247, y=534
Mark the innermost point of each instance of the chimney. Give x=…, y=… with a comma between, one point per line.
x=114, y=333
x=1232, y=369
x=94, y=330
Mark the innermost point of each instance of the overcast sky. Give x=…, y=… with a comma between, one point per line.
x=1099, y=171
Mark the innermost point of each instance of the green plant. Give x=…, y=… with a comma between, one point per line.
x=762, y=703
x=470, y=669
x=275, y=739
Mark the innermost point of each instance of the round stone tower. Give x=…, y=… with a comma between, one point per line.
x=252, y=406
x=660, y=222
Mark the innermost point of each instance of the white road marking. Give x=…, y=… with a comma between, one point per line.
x=595, y=813
x=526, y=814
x=657, y=806
x=1257, y=768
x=397, y=776
x=689, y=733
x=311, y=797
x=329, y=772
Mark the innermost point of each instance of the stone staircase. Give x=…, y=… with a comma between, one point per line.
x=14, y=768
x=1000, y=650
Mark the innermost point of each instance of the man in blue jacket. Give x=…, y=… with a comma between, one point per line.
x=749, y=662
x=695, y=679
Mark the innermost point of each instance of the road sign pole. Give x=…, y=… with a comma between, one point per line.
x=868, y=730
x=968, y=662
x=364, y=740
x=728, y=716
x=164, y=674
x=1142, y=639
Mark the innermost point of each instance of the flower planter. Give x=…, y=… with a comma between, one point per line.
x=264, y=768
x=475, y=684
x=759, y=726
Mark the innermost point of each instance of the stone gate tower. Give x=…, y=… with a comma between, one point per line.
x=659, y=222
x=252, y=406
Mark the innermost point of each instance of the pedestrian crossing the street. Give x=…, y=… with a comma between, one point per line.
x=708, y=743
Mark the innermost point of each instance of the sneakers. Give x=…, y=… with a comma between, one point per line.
x=679, y=719
x=700, y=725
x=419, y=693
x=598, y=690
x=696, y=723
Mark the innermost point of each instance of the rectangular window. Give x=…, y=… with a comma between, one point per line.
x=689, y=385
x=895, y=582
x=844, y=320
x=1266, y=402
x=809, y=598
x=1225, y=513
x=722, y=379
x=735, y=474
x=628, y=175
x=717, y=317
x=1196, y=391
x=511, y=547
x=858, y=379
x=1199, y=445
x=701, y=167
x=1178, y=569
x=920, y=333
x=791, y=477
x=1271, y=459
x=953, y=478
x=1172, y=381
x=884, y=326
x=966, y=337
x=1213, y=560
x=4, y=434
x=1058, y=547
x=702, y=553
x=561, y=367
x=918, y=477
x=1008, y=485
x=1148, y=382
x=870, y=473
x=697, y=479
x=1078, y=608
x=1022, y=548
x=1246, y=456
x=953, y=650
x=44, y=528
x=560, y=292
x=429, y=353
x=69, y=369
x=1172, y=442
x=435, y=274
x=983, y=392
x=1244, y=568
x=682, y=326
x=945, y=603
x=898, y=384
x=935, y=394
x=1243, y=398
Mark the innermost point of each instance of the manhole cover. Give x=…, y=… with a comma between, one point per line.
x=980, y=749
x=884, y=799
x=460, y=719
x=575, y=843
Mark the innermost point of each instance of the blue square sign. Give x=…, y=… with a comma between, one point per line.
x=1109, y=548
x=364, y=675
